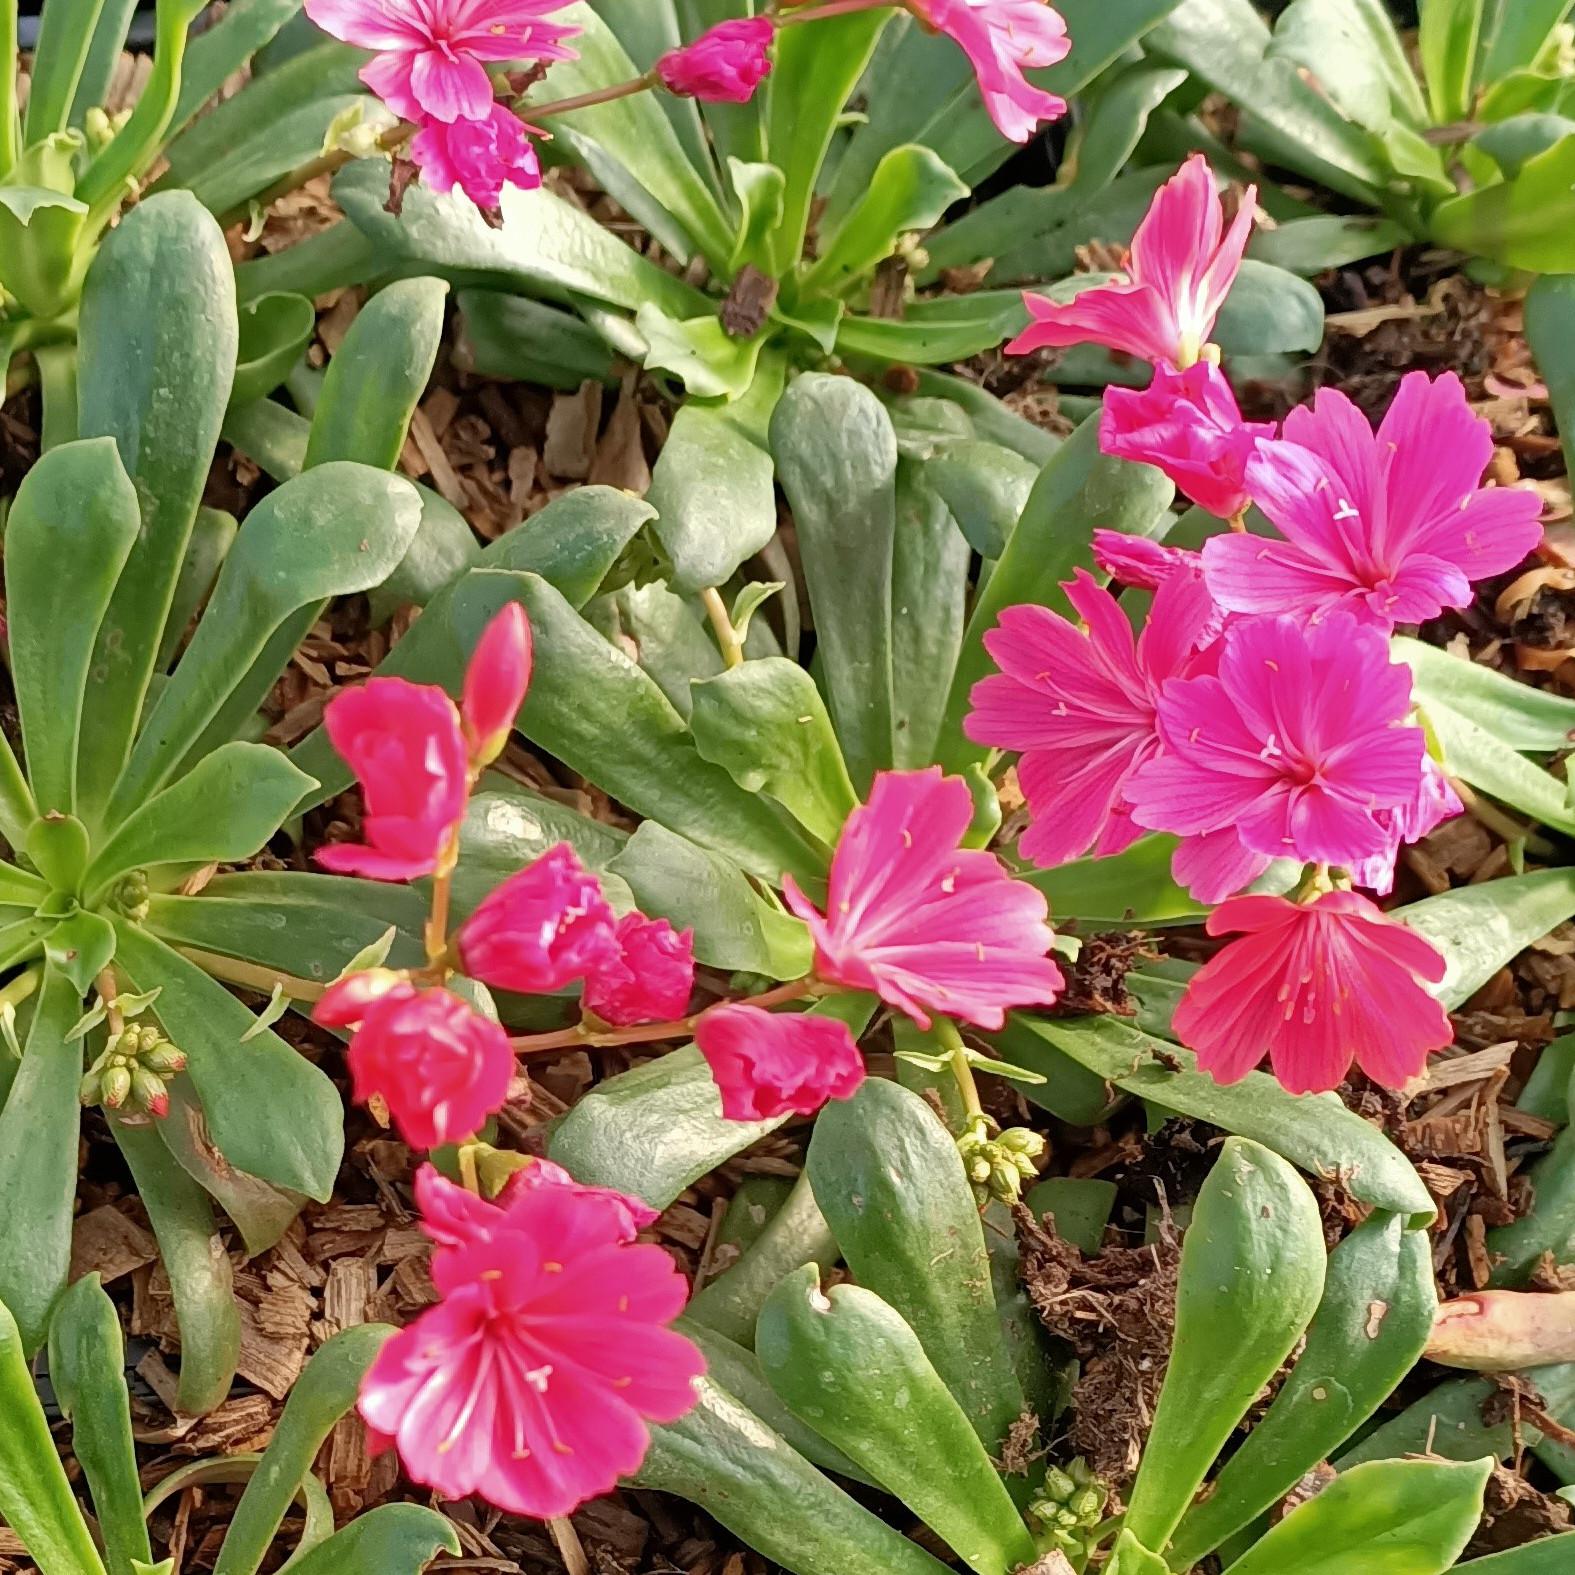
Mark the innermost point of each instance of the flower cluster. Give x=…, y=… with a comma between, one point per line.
x=1258, y=716
x=436, y=1064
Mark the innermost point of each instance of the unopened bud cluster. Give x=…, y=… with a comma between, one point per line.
x=1070, y=1506
x=998, y=1165
x=130, y=895
x=132, y=1072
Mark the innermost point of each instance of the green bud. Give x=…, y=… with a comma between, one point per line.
x=1088, y=1505
x=1006, y=1181
x=92, y=1089
x=1059, y=1485
x=165, y=1059
x=117, y=1087
x=980, y=1170
x=1023, y=1140
x=148, y=1039
x=149, y=1093
x=1082, y=1473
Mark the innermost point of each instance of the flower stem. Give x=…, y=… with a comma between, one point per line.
x=606, y=95
x=582, y=1038
x=251, y=976
x=946, y=1032
x=324, y=164
x=21, y=987
x=108, y=986
x=722, y=626
x=789, y=16
x=436, y=934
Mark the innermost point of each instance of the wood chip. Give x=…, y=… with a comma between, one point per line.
x=106, y=1242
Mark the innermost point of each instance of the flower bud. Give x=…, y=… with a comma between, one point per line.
x=495, y=684
x=164, y=1059
x=1025, y=1141
x=116, y=1084
x=148, y=1092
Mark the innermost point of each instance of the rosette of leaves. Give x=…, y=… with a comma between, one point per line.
x=139, y=768
x=1474, y=152
x=67, y=167
x=86, y=1369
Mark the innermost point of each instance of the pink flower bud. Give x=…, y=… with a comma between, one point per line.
x=650, y=977
x=772, y=1063
x=723, y=66
x=495, y=683
x=544, y=927
x=404, y=743
x=440, y=1067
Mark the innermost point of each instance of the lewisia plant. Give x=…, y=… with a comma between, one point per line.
x=1258, y=716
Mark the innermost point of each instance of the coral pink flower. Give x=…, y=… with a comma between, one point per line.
x=480, y=157
x=927, y=925
x=453, y=1217
x=532, y=1380
x=1392, y=526
x=544, y=927
x=723, y=66
x=1435, y=802
x=1001, y=39
x=1295, y=743
x=495, y=683
x=440, y=1067
x=404, y=743
x=629, y=1215
x=1081, y=708
x=1314, y=987
x=1188, y=425
x=1182, y=265
x=428, y=54
x=777, y=1063
x=648, y=978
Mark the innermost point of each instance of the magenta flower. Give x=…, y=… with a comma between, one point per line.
x=1001, y=39
x=1295, y=743
x=533, y=1379
x=453, y=1217
x=723, y=66
x=1182, y=265
x=1393, y=526
x=927, y=925
x=647, y=978
x=544, y=927
x=1314, y=987
x=777, y=1063
x=428, y=54
x=440, y=1067
x=1081, y=709
x=1139, y=561
x=479, y=157
x=404, y=743
x=1187, y=424
x=629, y=1215
x=1435, y=802
x=495, y=683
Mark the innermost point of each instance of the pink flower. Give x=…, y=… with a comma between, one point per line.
x=1081, y=709
x=775, y=1063
x=1188, y=425
x=1182, y=265
x=927, y=926
x=404, y=743
x=648, y=978
x=1136, y=560
x=1002, y=38
x=495, y=683
x=723, y=66
x=428, y=54
x=545, y=926
x=1314, y=986
x=440, y=1067
x=1392, y=527
x=480, y=157
x=628, y=1214
x=532, y=1381
x=1295, y=743
x=1435, y=802
x=453, y=1217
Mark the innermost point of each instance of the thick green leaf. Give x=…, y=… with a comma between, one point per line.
x=1269, y=310
x=1516, y=31
x=795, y=1235
x=221, y=50
x=1371, y=1326
x=1116, y=122
x=1517, y=714
x=38, y=1162
x=712, y=486
x=76, y=504
x=734, y=926
x=668, y=636
x=81, y=947
x=1447, y=43
x=393, y=1539
x=87, y=1355
x=1311, y=246
x=1252, y=1273
x=909, y=191
x=847, y=1364
x=1078, y=491
x=104, y=52
x=220, y=812
x=658, y=1129
x=1355, y=57
x=836, y=458
x=212, y=536
x=1550, y=1556
x=888, y=1178
x=725, y=1459
x=65, y=34
x=323, y=1393
x=155, y=374
x=1315, y=1132
x=1131, y=887
x=1479, y=757
x=1550, y=331
x=197, y=1265
x=986, y=488
x=35, y=1497
x=935, y=331
x=765, y=723
x=519, y=340
x=1480, y=928
x=334, y=531
x=274, y=330
x=1517, y=222
x=1390, y=1517
x=299, y=1145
